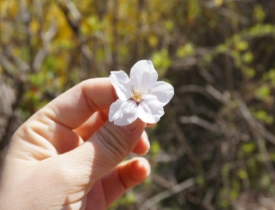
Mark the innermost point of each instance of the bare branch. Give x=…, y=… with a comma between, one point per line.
x=187, y=149
x=254, y=123
x=6, y=65
x=167, y=193
x=44, y=51
x=213, y=127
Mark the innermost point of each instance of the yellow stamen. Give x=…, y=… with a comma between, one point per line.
x=137, y=95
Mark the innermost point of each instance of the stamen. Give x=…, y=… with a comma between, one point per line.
x=137, y=94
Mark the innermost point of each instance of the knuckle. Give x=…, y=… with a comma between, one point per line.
x=113, y=141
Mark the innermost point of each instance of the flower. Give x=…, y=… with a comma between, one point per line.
x=140, y=96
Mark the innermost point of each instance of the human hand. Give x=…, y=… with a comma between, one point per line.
x=68, y=155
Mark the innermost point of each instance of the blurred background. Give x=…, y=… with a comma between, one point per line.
x=215, y=146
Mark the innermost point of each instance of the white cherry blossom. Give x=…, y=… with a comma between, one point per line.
x=140, y=96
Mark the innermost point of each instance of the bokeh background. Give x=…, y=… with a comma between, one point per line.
x=215, y=146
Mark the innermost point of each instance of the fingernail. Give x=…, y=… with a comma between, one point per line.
x=147, y=167
x=144, y=135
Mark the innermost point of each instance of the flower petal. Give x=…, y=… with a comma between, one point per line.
x=143, y=75
x=121, y=83
x=123, y=112
x=163, y=91
x=150, y=110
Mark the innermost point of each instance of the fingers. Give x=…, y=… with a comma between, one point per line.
x=143, y=145
x=97, y=120
x=75, y=106
x=51, y=127
x=87, y=129
x=126, y=175
x=104, y=150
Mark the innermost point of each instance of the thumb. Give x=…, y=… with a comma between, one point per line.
x=104, y=150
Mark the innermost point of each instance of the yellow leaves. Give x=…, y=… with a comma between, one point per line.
x=85, y=29
x=247, y=57
x=218, y=3
x=155, y=148
x=9, y=7
x=270, y=77
x=153, y=40
x=58, y=18
x=62, y=80
x=241, y=45
x=200, y=180
x=4, y=8
x=94, y=23
x=34, y=25
x=263, y=92
x=186, y=50
x=5, y=33
x=169, y=25
x=248, y=147
x=194, y=11
x=263, y=116
x=161, y=61
x=259, y=13
x=16, y=52
x=249, y=72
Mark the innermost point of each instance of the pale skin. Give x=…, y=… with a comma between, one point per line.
x=69, y=156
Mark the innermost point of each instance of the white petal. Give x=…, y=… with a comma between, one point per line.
x=122, y=84
x=123, y=112
x=150, y=110
x=163, y=91
x=143, y=75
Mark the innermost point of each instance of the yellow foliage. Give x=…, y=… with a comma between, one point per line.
x=153, y=40
x=34, y=25
x=57, y=17
x=9, y=7
x=218, y=3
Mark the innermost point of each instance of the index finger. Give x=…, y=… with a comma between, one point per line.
x=72, y=108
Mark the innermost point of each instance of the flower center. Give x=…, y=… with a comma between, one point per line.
x=137, y=94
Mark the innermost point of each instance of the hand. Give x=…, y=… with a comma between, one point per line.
x=68, y=155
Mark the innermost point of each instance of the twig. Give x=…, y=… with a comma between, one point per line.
x=74, y=22
x=213, y=127
x=187, y=149
x=18, y=28
x=73, y=10
x=167, y=193
x=217, y=94
x=43, y=52
x=8, y=67
x=264, y=154
x=259, y=131
x=192, y=88
x=254, y=123
x=207, y=91
x=22, y=65
x=161, y=181
x=207, y=199
x=233, y=15
x=69, y=8
x=7, y=133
